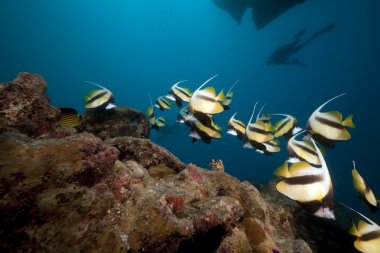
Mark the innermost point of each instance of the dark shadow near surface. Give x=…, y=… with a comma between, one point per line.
x=264, y=11
x=283, y=54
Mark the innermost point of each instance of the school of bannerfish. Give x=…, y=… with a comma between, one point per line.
x=304, y=176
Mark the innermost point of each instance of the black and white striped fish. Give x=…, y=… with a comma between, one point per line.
x=228, y=97
x=311, y=187
x=162, y=103
x=367, y=234
x=179, y=94
x=327, y=127
x=302, y=151
x=236, y=127
x=365, y=193
x=203, y=127
x=286, y=127
x=182, y=115
x=102, y=97
x=206, y=101
x=258, y=132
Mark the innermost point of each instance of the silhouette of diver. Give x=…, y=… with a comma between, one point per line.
x=282, y=55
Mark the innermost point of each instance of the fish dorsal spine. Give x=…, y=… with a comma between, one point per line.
x=208, y=80
x=176, y=84
x=232, y=86
x=328, y=101
x=253, y=112
x=98, y=85
x=258, y=115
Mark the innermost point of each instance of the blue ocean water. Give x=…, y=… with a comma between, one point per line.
x=141, y=47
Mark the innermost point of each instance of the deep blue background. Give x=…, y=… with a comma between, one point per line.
x=136, y=47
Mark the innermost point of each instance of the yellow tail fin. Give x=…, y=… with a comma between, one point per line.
x=348, y=122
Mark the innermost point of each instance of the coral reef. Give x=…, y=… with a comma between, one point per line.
x=119, y=121
x=85, y=192
x=24, y=107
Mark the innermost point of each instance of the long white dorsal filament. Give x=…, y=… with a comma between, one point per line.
x=208, y=80
x=98, y=85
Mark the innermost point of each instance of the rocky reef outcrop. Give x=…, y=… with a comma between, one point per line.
x=67, y=190
x=24, y=106
x=119, y=121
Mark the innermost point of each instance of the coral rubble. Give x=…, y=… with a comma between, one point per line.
x=74, y=191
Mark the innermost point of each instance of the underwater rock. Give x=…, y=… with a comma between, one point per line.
x=235, y=242
x=24, y=106
x=81, y=194
x=146, y=153
x=115, y=122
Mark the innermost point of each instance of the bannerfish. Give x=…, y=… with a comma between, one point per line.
x=205, y=100
x=182, y=115
x=236, y=127
x=228, y=97
x=269, y=147
x=179, y=94
x=286, y=127
x=69, y=117
x=102, y=97
x=204, y=128
x=367, y=234
x=327, y=127
x=151, y=117
x=258, y=132
x=311, y=187
x=162, y=103
x=368, y=237
x=160, y=122
x=365, y=193
x=265, y=118
x=302, y=151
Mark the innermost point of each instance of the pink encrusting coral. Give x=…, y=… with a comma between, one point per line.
x=98, y=160
x=194, y=174
x=176, y=202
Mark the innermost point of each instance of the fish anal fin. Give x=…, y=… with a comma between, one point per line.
x=344, y=135
x=348, y=122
